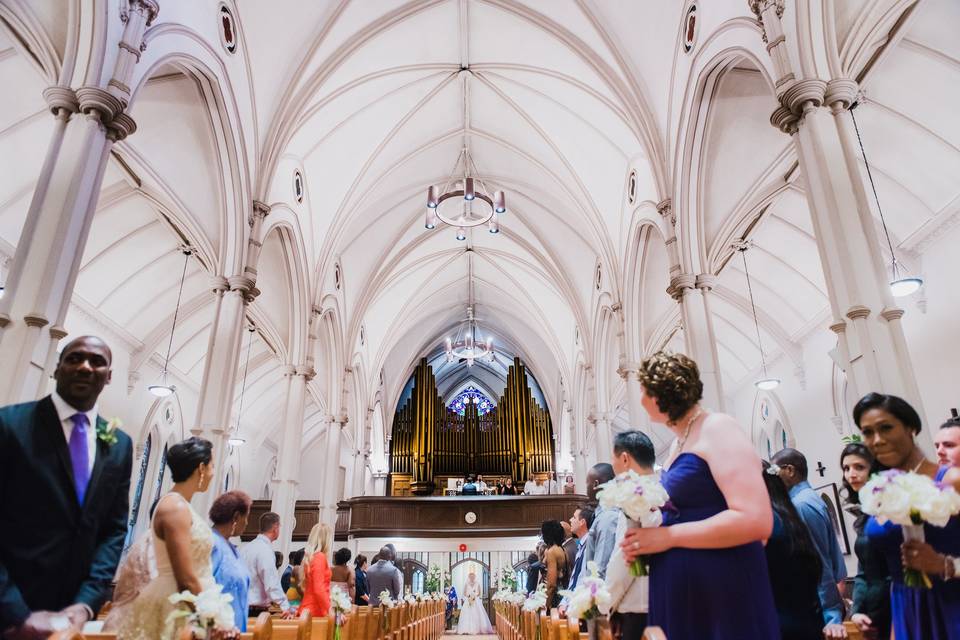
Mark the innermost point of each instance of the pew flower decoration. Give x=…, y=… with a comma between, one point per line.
x=207, y=615
x=536, y=601
x=107, y=431
x=341, y=605
x=410, y=598
x=591, y=598
x=436, y=578
x=506, y=579
x=641, y=499
x=909, y=500
x=386, y=600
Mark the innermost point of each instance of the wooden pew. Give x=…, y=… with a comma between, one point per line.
x=299, y=629
x=261, y=629
x=853, y=631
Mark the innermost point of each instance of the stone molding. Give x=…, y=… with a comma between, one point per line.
x=219, y=284
x=706, y=281
x=858, y=311
x=58, y=332
x=839, y=327
x=891, y=314
x=35, y=319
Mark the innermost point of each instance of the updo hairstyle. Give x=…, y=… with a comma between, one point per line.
x=184, y=457
x=673, y=380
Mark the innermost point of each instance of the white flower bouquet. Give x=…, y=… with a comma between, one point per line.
x=207, y=614
x=641, y=499
x=536, y=601
x=410, y=598
x=341, y=604
x=909, y=500
x=590, y=598
x=386, y=600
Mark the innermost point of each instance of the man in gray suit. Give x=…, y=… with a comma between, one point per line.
x=384, y=575
x=603, y=531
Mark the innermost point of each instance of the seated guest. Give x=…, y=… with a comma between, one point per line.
x=342, y=575
x=632, y=451
x=793, y=564
x=813, y=512
x=871, y=587
x=568, y=486
x=470, y=487
x=264, y=579
x=229, y=514
x=890, y=426
x=534, y=567
x=362, y=597
x=947, y=442
x=295, y=590
x=316, y=572
x=508, y=489
x=383, y=575
x=287, y=574
x=603, y=531
x=555, y=560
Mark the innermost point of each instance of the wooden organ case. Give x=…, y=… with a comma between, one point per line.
x=430, y=441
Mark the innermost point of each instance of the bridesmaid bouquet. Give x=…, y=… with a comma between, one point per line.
x=208, y=614
x=591, y=598
x=341, y=604
x=641, y=499
x=909, y=500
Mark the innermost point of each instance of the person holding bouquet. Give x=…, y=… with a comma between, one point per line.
x=709, y=552
x=889, y=426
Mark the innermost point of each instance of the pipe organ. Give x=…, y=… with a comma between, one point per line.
x=429, y=440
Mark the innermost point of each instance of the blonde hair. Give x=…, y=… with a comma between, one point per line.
x=320, y=541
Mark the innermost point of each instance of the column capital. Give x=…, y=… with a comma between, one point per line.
x=289, y=370
x=260, y=210
x=35, y=319
x=841, y=94
x=665, y=209
x=219, y=284
x=61, y=99
x=858, y=311
x=628, y=369
x=121, y=127
x=785, y=120
x=149, y=8
x=804, y=95
x=759, y=6
x=245, y=285
x=99, y=103
x=58, y=332
x=839, y=327
x=680, y=284
x=306, y=371
x=706, y=281
x=893, y=313
x=327, y=418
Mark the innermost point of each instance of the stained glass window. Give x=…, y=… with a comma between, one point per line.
x=471, y=395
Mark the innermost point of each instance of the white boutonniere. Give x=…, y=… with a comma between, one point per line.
x=107, y=431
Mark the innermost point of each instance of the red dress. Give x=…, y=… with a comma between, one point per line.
x=316, y=586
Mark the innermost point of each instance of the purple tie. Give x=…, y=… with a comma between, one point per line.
x=79, y=454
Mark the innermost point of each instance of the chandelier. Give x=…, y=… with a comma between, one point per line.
x=460, y=203
x=467, y=346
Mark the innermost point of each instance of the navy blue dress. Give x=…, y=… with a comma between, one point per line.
x=921, y=614
x=708, y=594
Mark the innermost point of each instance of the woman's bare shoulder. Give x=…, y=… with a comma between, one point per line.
x=721, y=434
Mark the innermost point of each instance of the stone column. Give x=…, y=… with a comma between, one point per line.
x=330, y=497
x=701, y=343
x=362, y=453
x=630, y=372
x=815, y=113
x=288, y=463
x=89, y=120
x=579, y=460
x=380, y=483
x=604, y=439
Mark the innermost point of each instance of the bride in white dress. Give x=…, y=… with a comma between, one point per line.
x=473, y=617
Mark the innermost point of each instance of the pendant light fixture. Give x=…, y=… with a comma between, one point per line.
x=900, y=285
x=765, y=382
x=162, y=389
x=236, y=440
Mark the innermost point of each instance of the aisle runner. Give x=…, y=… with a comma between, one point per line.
x=453, y=636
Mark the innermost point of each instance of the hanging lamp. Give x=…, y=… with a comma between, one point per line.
x=236, y=440
x=765, y=382
x=162, y=389
x=900, y=285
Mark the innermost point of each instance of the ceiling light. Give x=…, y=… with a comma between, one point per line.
x=464, y=201
x=162, y=390
x=767, y=384
x=499, y=202
x=466, y=346
x=236, y=440
x=461, y=234
x=899, y=286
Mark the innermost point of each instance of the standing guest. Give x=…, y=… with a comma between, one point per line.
x=469, y=487
x=287, y=576
x=384, y=576
x=183, y=544
x=568, y=486
x=530, y=487
x=534, y=568
x=264, y=580
x=813, y=512
x=580, y=523
x=710, y=549
x=555, y=560
x=508, y=489
x=794, y=565
x=603, y=531
x=229, y=514
x=871, y=587
x=316, y=572
x=947, y=442
x=64, y=482
x=889, y=426
x=569, y=543
x=294, y=592
x=362, y=597
x=342, y=575
x=481, y=485
x=632, y=451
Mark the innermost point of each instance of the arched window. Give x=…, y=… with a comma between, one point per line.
x=471, y=395
x=418, y=577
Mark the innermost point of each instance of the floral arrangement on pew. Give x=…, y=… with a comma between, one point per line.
x=909, y=500
x=341, y=605
x=386, y=600
x=506, y=578
x=208, y=615
x=410, y=598
x=436, y=578
x=536, y=602
x=591, y=598
x=641, y=499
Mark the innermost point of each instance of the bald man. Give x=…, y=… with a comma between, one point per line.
x=383, y=575
x=64, y=480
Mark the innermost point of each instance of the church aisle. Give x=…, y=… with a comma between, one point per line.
x=452, y=635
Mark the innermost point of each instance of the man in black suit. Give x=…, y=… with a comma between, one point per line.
x=64, y=480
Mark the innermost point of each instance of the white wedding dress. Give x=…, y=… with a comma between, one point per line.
x=473, y=617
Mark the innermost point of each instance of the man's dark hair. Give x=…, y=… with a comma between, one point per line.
x=267, y=521
x=77, y=340
x=637, y=445
x=587, y=513
x=278, y=558
x=894, y=405
x=603, y=471
x=341, y=556
x=184, y=457
x=360, y=560
x=793, y=458
x=951, y=423
x=386, y=553
x=531, y=558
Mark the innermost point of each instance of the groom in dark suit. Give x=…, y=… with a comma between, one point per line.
x=64, y=480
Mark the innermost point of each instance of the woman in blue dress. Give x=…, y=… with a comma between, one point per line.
x=889, y=426
x=229, y=514
x=708, y=571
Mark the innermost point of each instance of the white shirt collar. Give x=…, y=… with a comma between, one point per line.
x=65, y=411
